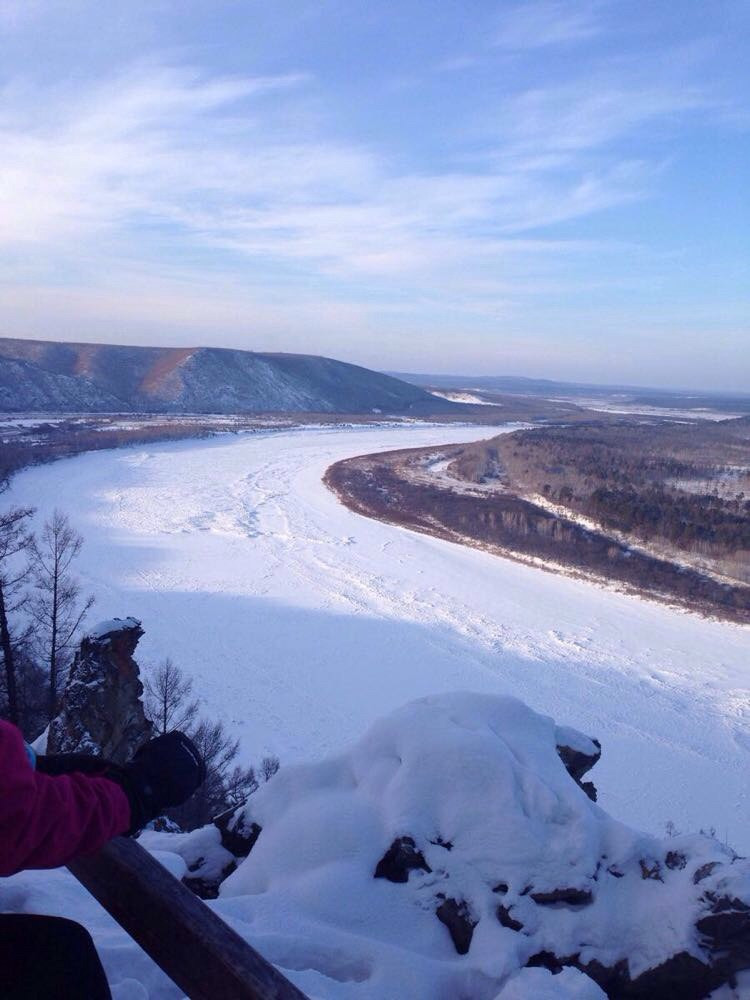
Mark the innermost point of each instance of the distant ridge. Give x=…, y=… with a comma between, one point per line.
x=45, y=376
x=728, y=401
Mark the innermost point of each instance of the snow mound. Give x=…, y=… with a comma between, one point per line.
x=112, y=626
x=450, y=848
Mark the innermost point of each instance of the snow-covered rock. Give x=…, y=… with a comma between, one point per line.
x=207, y=863
x=450, y=849
x=448, y=855
x=101, y=711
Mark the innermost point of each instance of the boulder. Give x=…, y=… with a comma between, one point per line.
x=503, y=915
x=566, y=896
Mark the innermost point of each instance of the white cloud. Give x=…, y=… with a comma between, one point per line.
x=588, y=113
x=240, y=203
x=539, y=23
x=210, y=163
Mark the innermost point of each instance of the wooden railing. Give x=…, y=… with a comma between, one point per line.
x=194, y=947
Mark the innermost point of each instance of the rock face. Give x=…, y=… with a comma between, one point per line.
x=101, y=710
x=237, y=835
x=456, y=915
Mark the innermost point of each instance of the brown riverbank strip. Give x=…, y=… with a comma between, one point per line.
x=409, y=488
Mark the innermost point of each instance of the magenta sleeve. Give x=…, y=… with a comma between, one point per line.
x=46, y=820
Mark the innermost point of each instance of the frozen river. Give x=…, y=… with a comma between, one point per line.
x=301, y=622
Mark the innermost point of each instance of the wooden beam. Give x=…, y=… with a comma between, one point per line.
x=196, y=949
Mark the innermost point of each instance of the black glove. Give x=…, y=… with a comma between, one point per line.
x=163, y=773
x=71, y=763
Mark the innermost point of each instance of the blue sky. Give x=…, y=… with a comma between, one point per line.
x=548, y=188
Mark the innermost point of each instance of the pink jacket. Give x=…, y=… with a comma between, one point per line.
x=47, y=820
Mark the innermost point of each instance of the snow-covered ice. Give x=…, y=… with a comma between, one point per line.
x=302, y=622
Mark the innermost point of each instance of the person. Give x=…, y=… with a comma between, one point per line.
x=59, y=807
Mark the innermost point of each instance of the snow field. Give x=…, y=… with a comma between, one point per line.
x=302, y=622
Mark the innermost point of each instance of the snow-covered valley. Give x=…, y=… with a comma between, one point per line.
x=302, y=622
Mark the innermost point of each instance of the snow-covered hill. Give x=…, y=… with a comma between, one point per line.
x=452, y=828
x=42, y=376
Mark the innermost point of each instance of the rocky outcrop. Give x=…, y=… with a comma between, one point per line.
x=401, y=858
x=578, y=753
x=472, y=812
x=101, y=710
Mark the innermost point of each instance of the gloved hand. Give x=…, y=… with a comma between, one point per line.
x=163, y=773
x=71, y=763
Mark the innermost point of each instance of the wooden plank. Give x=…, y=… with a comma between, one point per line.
x=196, y=949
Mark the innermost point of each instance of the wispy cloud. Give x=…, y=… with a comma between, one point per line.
x=587, y=113
x=165, y=153
x=540, y=23
x=184, y=198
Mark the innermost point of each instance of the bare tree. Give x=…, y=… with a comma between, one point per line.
x=57, y=609
x=225, y=785
x=239, y=784
x=269, y=766
x=228, y=785
x=15, y=543
x=167, y=694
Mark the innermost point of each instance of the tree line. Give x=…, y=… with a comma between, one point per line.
x=51, y=442
x=378, y=486
x=169, y=704
x=683, y=486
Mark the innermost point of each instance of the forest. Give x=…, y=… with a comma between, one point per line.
x=493, y=496
x=683, y=489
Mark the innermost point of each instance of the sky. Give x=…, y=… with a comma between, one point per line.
x=553, y=188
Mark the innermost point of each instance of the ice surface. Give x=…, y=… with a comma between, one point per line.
x=302, y=622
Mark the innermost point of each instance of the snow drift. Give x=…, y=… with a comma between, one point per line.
x=452, y=854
